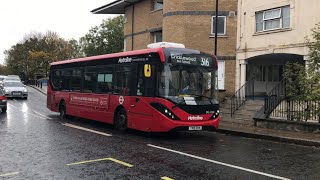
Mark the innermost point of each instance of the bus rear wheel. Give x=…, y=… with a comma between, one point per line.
x=62, y=109
x=121, y=120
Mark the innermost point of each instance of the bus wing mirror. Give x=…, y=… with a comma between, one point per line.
x=147, y=70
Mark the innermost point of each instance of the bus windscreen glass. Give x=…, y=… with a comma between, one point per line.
x=189, y=76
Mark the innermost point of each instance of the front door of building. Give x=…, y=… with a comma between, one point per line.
x=266, y=77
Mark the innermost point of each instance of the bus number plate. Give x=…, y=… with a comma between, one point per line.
x=195, y=128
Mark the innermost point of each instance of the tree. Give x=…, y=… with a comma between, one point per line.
x=302, y=81
x=36, y=51
x=296, y=81
x=4, y=70
x=104, y=39
x=313, y=67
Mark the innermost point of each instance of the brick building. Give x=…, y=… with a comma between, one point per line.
x=190, y=22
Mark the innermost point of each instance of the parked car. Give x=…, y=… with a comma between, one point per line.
x=2, y=77
x=12, y=78
x=3, y=101
x=15, y=89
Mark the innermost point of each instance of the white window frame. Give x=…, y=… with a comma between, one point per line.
x=224, y=25
x=155, y=2
x=277, y=17
x=265, y=20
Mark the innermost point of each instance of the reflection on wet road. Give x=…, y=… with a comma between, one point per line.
x=36, y=143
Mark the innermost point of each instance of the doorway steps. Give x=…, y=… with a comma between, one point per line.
x=244, y=115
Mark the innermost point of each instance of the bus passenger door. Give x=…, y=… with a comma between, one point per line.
x=140, y=110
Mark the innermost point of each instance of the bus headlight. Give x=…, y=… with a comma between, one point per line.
x=164, y=110
x=215, y=114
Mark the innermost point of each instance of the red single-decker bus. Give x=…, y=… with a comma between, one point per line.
x=159, y=89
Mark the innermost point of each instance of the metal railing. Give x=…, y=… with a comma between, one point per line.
x=245, y=92
x=274, y=97
x=292, y=109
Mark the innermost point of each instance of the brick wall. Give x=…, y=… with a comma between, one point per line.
x=191, y=27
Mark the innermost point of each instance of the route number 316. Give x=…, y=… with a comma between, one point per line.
x=204, y=62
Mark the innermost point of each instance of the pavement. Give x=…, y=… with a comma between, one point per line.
x=250, y=131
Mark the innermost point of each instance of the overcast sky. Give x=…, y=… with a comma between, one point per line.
x=69, y=18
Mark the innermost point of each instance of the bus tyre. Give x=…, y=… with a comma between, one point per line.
x=4, y=109
x=62, y=109
x=121, y=120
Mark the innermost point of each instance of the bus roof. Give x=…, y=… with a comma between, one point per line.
x=121, y=54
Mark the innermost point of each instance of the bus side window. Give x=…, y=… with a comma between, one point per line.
x=76, y=80
x=145, y=85
x=150, y=83
x=90, y=80
x=55, y=79
x=140, y=86
x=65, y=80
x=123, y=79
x=104, y=82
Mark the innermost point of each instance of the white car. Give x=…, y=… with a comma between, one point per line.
x=2, y=77
x=12, y=78
x=15, y=89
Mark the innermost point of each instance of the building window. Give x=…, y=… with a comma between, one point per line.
x=157, y=36
x=158, y=4
x=221, y=72
x=272, y=19
x=221, y=25
x=125, y=16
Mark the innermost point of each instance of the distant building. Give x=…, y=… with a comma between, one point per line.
x=270, y=34
x=189, y=22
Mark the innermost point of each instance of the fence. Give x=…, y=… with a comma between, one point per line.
x=274, y=97
x=239, y=98
x=297, y=110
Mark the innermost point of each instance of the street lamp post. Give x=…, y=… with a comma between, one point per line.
x=214, y=93
x=216, y=30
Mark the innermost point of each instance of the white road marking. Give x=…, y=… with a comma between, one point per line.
x=9, y=174
x=85, y=129
x=43, y=117
x=220, y=163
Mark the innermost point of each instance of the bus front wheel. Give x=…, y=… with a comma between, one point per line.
x=62, y=109
x=121, y=120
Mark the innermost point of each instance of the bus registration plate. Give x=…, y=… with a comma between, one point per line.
x=195, y=128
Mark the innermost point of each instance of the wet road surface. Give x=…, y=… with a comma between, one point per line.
x=36, y=144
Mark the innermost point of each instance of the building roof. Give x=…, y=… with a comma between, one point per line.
x=116, y=7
